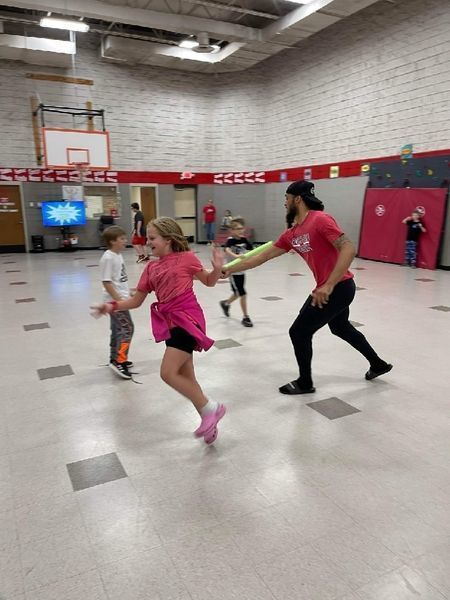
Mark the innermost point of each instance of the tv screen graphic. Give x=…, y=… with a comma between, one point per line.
x=63, y=214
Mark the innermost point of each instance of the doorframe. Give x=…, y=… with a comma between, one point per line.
x=19, y=184
x=142, y=185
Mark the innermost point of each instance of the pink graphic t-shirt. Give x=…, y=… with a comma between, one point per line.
x=313, y=241
x=170, y=276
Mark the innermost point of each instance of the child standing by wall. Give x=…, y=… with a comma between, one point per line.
x=115, y=288
x=177, y=318
x=415, y=228
x=235, y=246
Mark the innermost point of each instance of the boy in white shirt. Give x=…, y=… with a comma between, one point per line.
x=115, y=288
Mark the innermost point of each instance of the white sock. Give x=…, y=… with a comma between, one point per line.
x=209, y=407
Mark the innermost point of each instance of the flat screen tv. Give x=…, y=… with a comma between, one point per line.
x=63, y=213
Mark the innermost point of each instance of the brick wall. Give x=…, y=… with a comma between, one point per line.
x=360, y=88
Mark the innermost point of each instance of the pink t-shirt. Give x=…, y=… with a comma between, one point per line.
x=170, y=276
x=313, y=241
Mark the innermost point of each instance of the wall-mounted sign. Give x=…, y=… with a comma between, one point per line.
x=72, y=192
x=231, y=178
x=334, y=171
x=56, y=175
x=406, y=151
x=365, y=169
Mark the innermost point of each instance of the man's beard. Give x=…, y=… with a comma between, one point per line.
x=290, y=216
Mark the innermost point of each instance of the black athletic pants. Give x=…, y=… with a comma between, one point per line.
x=335, y=314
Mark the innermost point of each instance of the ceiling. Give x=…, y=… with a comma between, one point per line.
x=244, y=32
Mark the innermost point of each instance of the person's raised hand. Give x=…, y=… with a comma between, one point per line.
x=217, y=258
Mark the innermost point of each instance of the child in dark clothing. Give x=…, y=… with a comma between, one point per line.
x=415, y=228
x=235, y=246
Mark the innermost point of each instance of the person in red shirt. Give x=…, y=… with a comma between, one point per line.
x=317, y=238
x=209, y=220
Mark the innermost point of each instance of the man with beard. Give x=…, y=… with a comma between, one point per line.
x=318, y=239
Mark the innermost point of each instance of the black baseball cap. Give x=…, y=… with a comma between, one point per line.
x=305, y=189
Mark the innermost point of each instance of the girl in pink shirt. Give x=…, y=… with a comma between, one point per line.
x=176, y=317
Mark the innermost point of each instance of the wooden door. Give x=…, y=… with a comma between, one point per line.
x=148, y=203
x=12, y=234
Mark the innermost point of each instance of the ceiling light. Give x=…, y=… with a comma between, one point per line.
x=188, y=43
x=67, y=24
x=301, y=1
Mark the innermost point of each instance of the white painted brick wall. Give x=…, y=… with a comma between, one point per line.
x=361, y=88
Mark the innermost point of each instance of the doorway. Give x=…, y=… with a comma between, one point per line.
x=185, y=209
x=145, y=196
x=12, y=232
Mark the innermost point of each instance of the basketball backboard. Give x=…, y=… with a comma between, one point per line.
x=67, y=148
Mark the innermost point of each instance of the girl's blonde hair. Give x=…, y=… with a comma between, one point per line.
x=169, y=229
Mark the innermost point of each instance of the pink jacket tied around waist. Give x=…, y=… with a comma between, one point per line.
x=182, y=311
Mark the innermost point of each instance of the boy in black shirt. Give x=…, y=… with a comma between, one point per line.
x=415, y=228
x=236, y=245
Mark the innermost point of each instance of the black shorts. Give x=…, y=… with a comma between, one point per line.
x=237, y=284
x=181, y=340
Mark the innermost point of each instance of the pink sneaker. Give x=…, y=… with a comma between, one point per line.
x=210, y=420
x=211, y=436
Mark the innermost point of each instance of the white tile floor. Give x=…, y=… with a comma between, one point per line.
x=286, y=505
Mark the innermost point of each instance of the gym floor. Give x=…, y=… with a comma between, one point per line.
x=106, y=495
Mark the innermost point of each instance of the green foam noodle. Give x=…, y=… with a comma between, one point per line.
x=253, y=252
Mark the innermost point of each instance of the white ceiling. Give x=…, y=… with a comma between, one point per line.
x=148, y=31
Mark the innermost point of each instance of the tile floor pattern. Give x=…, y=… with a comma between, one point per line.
x=288, y=504
x=34, y=326
x=333, y=408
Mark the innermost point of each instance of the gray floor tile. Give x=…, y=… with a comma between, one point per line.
x=333, y=408
x=34, y=326
x=271, y=298
x=226, y=343
x=424, y=279
x=18, y=282
x=441, y=307
x=21, y=300
x=51, y=372
x=356, y=324
x=95, y=471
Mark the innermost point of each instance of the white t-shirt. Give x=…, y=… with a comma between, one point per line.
x=112, y=268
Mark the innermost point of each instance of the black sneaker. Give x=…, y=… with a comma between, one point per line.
x=225, y=307
x=372, y=373
x=127, y=363
x=121, y=369
x=247, y=322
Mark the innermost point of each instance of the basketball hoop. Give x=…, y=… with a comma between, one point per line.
x=81, y=168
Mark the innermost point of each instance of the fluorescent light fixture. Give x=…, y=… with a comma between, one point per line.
x=67, y=24
x=188, y=43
